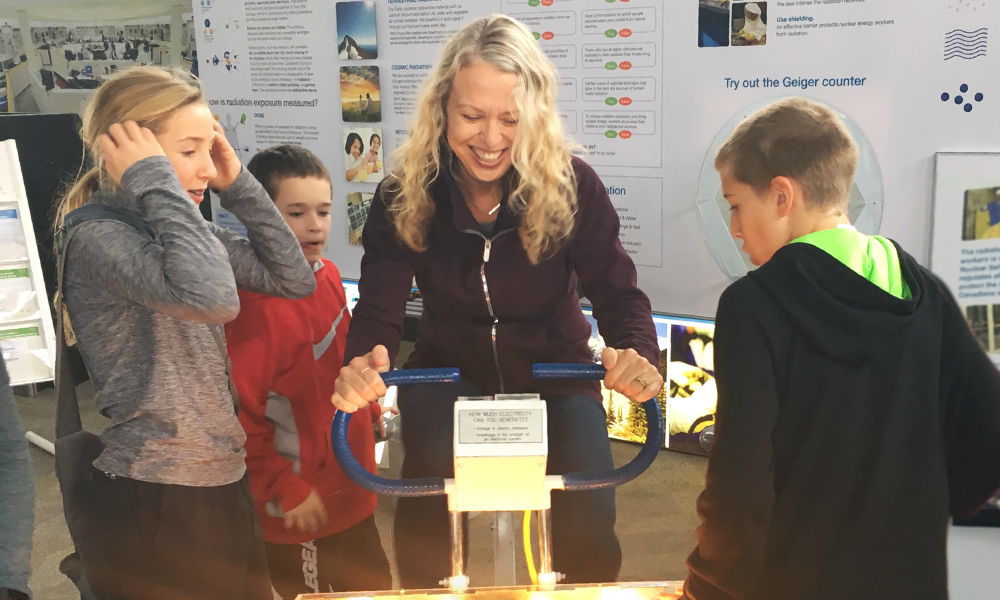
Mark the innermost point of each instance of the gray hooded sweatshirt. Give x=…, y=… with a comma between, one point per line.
x=140, y=306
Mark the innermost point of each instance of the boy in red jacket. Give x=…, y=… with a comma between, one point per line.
x=319, y=527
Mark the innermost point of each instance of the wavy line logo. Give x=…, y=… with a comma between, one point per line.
x=959, y=43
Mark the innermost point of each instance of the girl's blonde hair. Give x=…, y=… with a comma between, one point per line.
x=543, y=192
x=147, y=95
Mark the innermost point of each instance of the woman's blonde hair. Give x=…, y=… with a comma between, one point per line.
x=147, y=95
x=543, y=192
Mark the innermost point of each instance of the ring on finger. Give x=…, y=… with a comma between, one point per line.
x=641, y=381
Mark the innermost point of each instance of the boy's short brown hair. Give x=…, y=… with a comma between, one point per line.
x=276, y=163
x=796, y=138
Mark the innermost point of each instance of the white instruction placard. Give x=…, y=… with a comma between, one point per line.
x=510, y=426
x=501, y=428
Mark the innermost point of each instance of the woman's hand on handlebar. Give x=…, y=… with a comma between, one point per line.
x=630, y=374
x=359, y=383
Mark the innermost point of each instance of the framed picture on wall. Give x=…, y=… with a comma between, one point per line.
x=688, y=397
x=965, y=238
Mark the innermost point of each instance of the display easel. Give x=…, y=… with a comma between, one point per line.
x=27, y=333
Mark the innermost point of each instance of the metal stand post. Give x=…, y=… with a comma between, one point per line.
x=459, y=581
x=504, y=551
x=547, y=578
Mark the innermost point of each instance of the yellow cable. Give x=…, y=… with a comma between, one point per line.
x=527, y=548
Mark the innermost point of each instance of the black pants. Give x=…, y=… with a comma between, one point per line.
x=347, y=561
x=585, y=547
x=149, y=541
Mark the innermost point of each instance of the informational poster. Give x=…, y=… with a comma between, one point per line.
x=965, y=242
x=648, y=89
x=287, y=83
x=909, y=81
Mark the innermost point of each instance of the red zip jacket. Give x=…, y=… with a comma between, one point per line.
x=533, y=310
x=286, y=356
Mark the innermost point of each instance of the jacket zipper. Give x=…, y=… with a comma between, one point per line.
x=488, y=243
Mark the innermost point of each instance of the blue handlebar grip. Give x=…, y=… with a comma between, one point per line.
x=624, y=474
x=567, y=371
x=412, y=376
x=429, y=486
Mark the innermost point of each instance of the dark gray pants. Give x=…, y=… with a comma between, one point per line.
x=148, y=541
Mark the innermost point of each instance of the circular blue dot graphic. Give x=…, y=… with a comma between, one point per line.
x=959, y=100
x=968, y=108
x=964, y=88
x=979, y=97
x=944, y=97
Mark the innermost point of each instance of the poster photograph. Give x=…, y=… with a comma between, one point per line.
x=358, y=204
x=356, y=30
x=360, y=98
x=363, y=154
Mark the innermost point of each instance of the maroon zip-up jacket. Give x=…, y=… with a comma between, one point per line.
x=536, y=307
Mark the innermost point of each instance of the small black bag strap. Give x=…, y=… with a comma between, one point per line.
x=95, y=212
x=68, y=406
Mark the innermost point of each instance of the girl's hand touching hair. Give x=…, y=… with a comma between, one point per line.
x=124, y=145
x=227, y=164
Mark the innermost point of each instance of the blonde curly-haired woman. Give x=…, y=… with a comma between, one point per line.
x=497, y=221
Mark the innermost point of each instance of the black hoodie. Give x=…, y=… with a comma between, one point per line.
x=850, y=425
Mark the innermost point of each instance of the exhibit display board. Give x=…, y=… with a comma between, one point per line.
x=27, y=337
x=648, y=88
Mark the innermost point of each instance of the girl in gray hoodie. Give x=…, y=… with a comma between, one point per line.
x=173, y=515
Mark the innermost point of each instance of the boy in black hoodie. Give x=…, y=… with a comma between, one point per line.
x=856, y=410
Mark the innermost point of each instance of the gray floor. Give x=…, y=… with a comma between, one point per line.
x=656, y=517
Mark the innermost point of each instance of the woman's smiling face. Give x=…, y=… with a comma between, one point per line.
x=482, y=120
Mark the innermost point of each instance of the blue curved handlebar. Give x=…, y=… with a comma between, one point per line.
x=413, y=376
x=624, y=474
x=567, y=371
x=434, y=486
x=428, y=486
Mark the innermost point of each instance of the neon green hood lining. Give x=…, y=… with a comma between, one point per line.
x=873, y=257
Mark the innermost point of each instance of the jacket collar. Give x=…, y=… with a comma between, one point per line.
x=462, y=216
